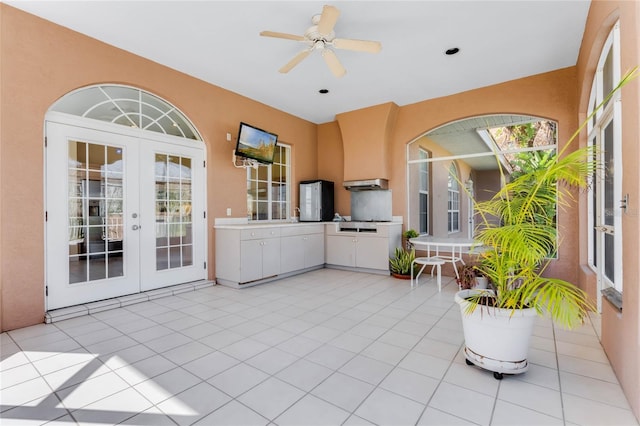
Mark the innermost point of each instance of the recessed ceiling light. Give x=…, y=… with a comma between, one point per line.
x=451, y=51
x=323, y=91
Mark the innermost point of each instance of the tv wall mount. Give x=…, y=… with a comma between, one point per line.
x=240, y=162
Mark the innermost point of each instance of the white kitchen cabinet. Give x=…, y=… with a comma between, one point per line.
x=365, y=250
x=246, y=255
x=301, y=247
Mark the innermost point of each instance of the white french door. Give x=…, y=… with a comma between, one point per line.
x=124, y=213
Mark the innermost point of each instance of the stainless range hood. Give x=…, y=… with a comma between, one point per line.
x=366, y=184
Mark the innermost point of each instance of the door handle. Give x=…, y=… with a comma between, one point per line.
x=136, y=227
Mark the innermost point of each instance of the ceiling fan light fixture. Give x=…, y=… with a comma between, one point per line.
x=321, y=36
x=323, y=91
x=451, y=51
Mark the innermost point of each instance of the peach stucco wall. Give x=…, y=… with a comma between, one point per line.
x=41, y=62
x=620, y=331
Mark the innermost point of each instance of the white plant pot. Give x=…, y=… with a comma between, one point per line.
x=482, y=282
x=496, y=339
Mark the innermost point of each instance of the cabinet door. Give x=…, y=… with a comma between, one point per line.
x=292, y=253
x=372, y=253
x=314, y=250
x=251, y=260
x=270, y=257
x=340, y=250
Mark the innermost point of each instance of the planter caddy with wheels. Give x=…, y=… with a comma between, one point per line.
x=498, y=323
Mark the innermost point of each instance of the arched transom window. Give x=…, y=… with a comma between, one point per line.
x=129, y=107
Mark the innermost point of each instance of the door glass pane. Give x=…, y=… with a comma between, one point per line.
x=95, y=212
x=173, y=211
x=609, y=172
x=609, y=257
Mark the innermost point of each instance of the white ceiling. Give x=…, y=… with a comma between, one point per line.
x=219, y=42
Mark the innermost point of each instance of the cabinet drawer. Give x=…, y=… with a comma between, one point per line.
x=290, y=231
x=258, y=233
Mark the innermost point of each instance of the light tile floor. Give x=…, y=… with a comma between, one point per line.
x=328, y=347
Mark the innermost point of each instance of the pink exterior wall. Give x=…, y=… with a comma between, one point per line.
x=620, y=331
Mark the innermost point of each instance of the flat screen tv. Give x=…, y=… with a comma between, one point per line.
x=255, y=143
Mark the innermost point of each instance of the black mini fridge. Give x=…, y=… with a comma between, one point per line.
x=316, y=201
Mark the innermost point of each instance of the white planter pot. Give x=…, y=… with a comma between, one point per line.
x=496, y=339
x=482, y=283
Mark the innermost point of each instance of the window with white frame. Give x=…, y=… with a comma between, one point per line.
x=453, y=204
x=423, y=192
x=605, y=130
x=269, y=187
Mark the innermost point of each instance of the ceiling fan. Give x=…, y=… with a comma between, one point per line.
x=320, y=36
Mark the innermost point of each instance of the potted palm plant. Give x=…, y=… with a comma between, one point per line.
x=498, y=323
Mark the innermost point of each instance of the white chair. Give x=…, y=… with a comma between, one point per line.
x=428, y=261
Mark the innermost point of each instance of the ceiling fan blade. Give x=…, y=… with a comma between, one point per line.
x=333, y=62
x=328, y=19
x=295, y=61
x=282, y=35
x=357, y=45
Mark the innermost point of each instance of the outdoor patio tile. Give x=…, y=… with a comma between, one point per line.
x=304, y=374
x=593, y=369
x=187, y=352
x=76, y=373
x=312, y=411
x=583, y=411
x=595, y=389
x=164, y=386
x=425, y=364
x=16, y=375
x=91, y=390
x=463, y=403
x=271, y=397
x=209, y=365
x=507, y=414
x=436, y=348
x=473, y=378
x=330, y=356
x=238, y=379
x=520, y=393
x=385, y=352
x=193, y=404
x=113, y=409
x=168, y=342
x=145, y=369
x=366, y=369
x=244, y=349
x=384, y=408
x=272, y=360
x=116, y=378
x=201, y=330
x=233, y=414
x=434, y=417
x=126, y=356
x=410, y=385
x=299, y=345
x=351, y=342
x=151, y=417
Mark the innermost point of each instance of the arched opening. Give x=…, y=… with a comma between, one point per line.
x=484, y=151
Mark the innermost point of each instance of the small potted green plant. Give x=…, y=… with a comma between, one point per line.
x=407, y=235
x=400, y=264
